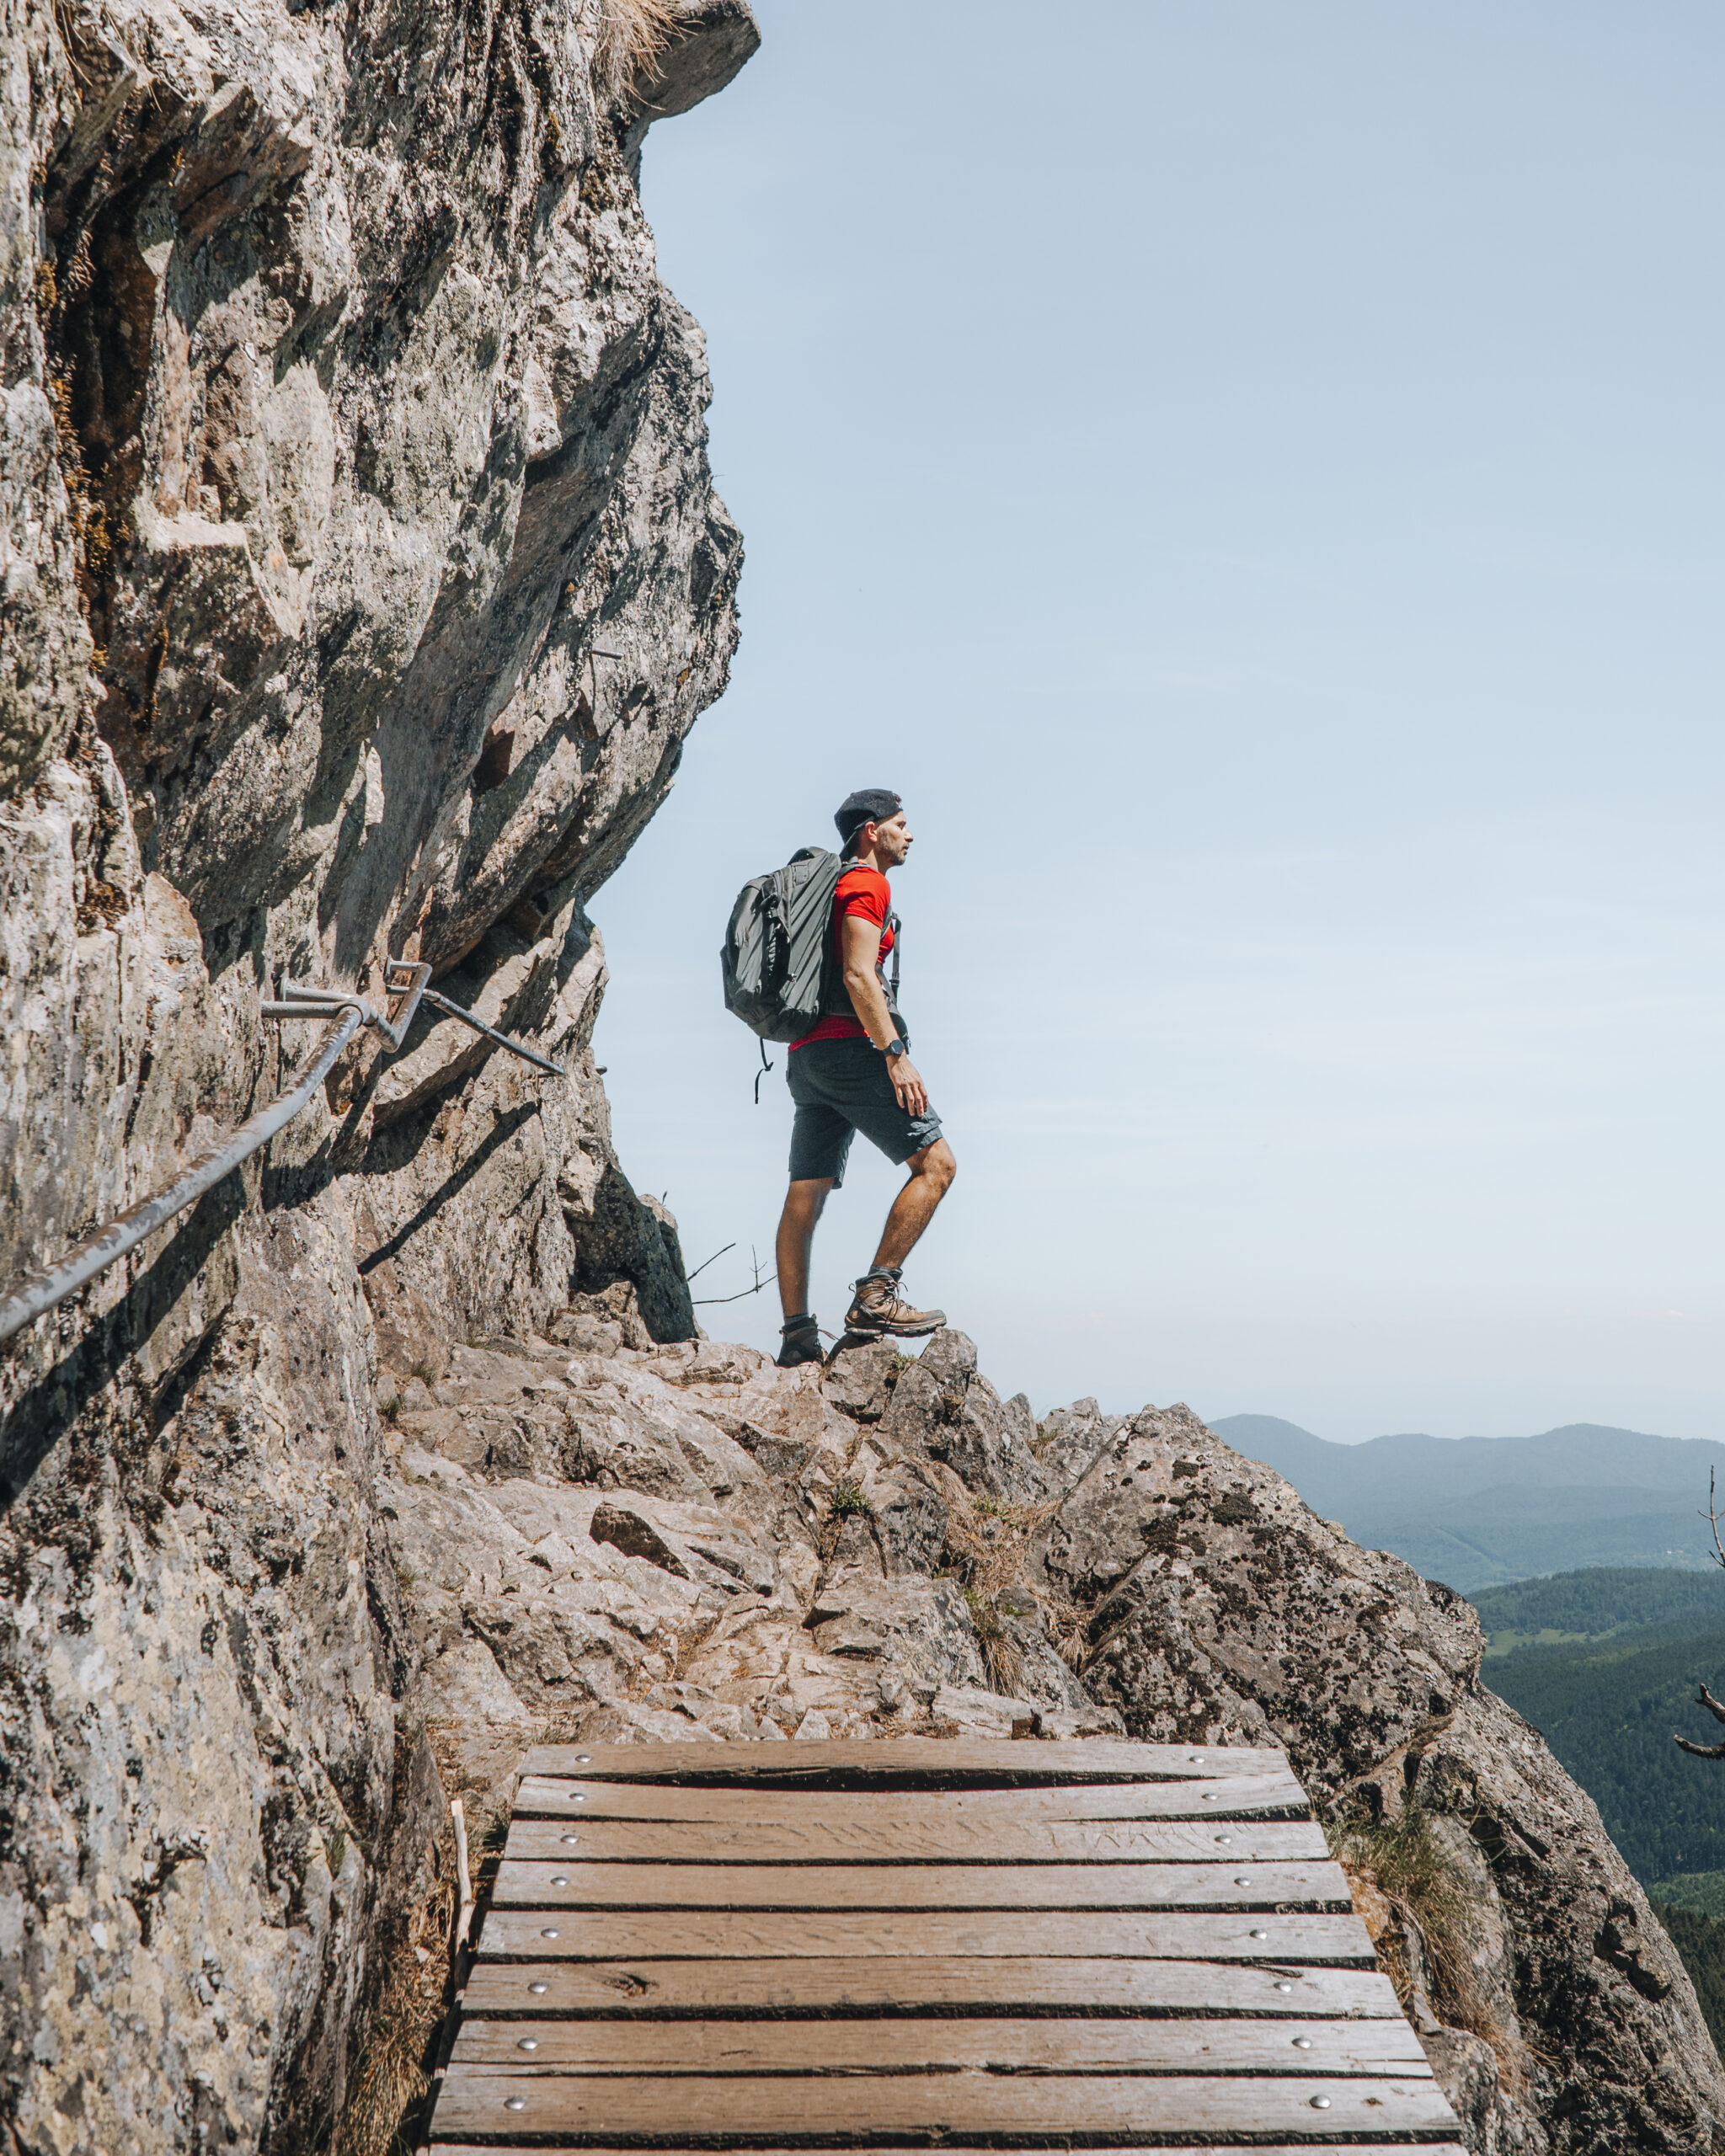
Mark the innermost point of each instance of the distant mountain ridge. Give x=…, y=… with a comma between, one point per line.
x=1482, y=1511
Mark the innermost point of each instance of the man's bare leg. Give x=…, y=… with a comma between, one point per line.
x=803, y=1202
x=879, y=1307
x=931, y=1172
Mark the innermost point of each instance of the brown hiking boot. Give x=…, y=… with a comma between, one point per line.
x=800, y=1342
x=880, y=1309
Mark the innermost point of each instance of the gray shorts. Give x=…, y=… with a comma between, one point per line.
x=842, y=1087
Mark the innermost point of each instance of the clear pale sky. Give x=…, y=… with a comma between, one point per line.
x=1250, y=476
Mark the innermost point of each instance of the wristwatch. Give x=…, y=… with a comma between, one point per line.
x=892, y=1049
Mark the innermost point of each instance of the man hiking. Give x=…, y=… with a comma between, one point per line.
x=853, y=1072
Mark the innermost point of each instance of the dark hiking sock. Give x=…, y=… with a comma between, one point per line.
x=797, y=1323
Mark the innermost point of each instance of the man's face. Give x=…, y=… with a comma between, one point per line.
x=892, y=839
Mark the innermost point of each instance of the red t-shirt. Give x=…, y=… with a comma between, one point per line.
x=866, y=892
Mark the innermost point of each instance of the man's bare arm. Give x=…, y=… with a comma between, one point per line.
x=861, y=948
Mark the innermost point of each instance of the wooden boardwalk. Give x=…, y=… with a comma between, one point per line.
x=881, y=1945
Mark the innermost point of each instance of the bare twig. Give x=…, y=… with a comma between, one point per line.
x=705, y=1302
x=464, y=1914
x=1711, y=1516
x=705, y=1262
x=702, y=1301
x=1703, y=1696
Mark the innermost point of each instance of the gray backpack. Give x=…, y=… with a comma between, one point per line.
x=781, y=975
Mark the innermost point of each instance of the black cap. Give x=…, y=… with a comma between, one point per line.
x=873, y=804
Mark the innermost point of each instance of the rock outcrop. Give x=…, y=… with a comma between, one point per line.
x=683, y=1541
x=363, y=575
x=1220, y=1608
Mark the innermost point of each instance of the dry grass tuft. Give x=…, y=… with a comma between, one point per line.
x=1403, y=1862
x=987, y=1545
x=387, y=2080
x=489, y=1839
x=1001, y=1657
x=633, y=37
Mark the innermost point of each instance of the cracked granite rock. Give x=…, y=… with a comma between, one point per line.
x=618, y=1540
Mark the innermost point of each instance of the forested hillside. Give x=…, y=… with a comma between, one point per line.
x=1597, y=1603
x=1604, y=1664
x=1701, y=1940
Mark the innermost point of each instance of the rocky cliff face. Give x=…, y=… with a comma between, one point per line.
x=363, y=575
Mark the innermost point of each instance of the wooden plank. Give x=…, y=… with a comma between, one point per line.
x=1323, y=2147
x=981, y=1950
x=929, y=1982
x=853, y=2047
x=911, y=1838
x=917, y=1761
x=1225, y=1797
x=959, y=2107
x=1182, y=1935
x=573, y=1885
x=1307, y=2148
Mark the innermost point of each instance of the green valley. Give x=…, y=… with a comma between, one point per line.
x=1604, y=1664
x=1598, y=1604
x=1701, y=1941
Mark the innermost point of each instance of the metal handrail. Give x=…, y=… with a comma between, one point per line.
x=478, y=1025
x=307, y=1002
x=38, y=1292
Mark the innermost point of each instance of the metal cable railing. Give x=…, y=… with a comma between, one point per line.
x=38, y=1292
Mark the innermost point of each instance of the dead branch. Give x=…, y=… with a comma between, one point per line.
x=706, y=1302
x=1715, y=1707
x=1712, y=1517
x=464, y=1913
